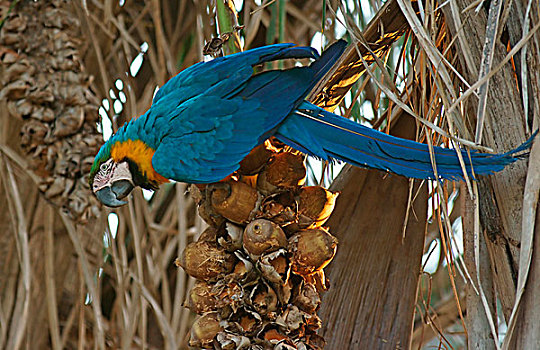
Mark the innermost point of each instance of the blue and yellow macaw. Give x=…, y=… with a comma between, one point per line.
x=206, y=119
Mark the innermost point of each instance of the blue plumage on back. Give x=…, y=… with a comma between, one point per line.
x=212, y=114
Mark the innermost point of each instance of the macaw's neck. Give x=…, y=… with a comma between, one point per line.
x=139, y=157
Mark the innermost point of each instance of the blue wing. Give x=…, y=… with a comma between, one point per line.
x=198, y=78
x=208, y=147
x=207, y=119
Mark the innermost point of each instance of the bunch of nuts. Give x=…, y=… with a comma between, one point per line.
x=259, y=264
x=48, y=96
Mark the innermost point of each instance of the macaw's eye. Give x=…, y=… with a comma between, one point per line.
x=104, y=167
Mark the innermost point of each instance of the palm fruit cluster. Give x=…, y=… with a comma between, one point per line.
x=259, y=264
x=48, y=97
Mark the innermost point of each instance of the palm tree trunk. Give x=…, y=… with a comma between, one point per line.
x=506, y=215
x=372, y=303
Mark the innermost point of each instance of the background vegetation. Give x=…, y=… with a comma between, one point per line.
x=444, y=265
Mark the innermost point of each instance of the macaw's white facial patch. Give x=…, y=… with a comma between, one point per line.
x=110, y=172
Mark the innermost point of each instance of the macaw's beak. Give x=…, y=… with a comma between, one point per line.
x=111, y=195
x=113, y=183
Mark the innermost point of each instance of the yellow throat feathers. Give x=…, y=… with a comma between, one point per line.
x=141, y=154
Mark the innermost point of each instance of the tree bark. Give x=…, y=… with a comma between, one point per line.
x=502, y=205
x=377, y=268
x=527, y=332
x=479, y=332
x=504, y=129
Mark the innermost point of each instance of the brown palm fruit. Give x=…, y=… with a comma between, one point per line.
x=205, y=260
x=316, y=203
x=263, y=299
x=243, y=270
x=319, y=280
x=275, y=268
x=315, y=341
x=206, y=211
x=272, y=334
x=280, y=208
x=201, y=298
x=284, y=171
x=262, y=263
x=292, y=318
x=205, y=297
x=229, y=341
x=231, y=239
x=262, y=236
x=311, y=249
x=211, y=234
x=234, y=200
x=245, y=321
x=307, y=298
x=255, y=160
x=204, y=329
x=210, y=215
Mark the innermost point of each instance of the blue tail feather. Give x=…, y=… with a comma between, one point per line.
x=326, y=136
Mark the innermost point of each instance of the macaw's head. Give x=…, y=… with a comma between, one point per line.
x=119, y=167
